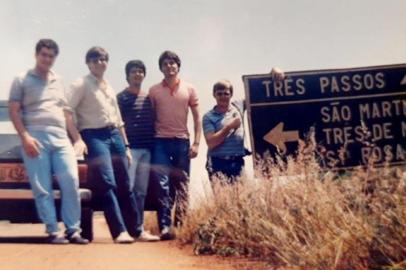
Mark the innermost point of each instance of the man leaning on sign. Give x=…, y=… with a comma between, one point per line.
x=224, y=132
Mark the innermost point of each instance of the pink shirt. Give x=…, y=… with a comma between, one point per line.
x=172, y=109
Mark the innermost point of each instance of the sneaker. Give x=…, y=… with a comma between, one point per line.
x=123, y=238
x=57, y=239
x=76, y=238
x=147, y=237
x=166, y=234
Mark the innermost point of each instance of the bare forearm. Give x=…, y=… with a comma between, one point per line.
x=71, y=127
x=215, y=139
x=197, y=131
x=15, y=118
x=197, y=125
x=124, y=135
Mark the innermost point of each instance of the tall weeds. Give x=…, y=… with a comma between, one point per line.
x=297, y=215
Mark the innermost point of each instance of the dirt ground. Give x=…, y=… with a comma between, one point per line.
x=101, y=254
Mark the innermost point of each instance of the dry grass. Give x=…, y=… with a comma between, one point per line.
x=151, y=222
x=298, y=216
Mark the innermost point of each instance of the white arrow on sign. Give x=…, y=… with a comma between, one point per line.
x=403, y=82
x=278, y=137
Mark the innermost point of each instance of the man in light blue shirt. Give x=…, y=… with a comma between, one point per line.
x=224, y=134
x=37, y=109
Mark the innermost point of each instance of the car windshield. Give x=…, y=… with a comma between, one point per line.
x=9, y=141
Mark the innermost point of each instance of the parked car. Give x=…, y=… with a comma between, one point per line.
x=16, y=199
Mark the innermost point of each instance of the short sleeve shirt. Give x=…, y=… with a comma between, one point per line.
x=213, y=121
x=139, y=117
x=171, y=108
x=42, y=101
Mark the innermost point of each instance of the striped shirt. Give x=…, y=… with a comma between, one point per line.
x=138, y=116
x=213, y=121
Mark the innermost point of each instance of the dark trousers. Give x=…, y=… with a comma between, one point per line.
x=108, y=171
x=171, y=167
x=221, y=168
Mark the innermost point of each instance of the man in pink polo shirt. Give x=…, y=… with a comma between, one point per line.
x=172, y=152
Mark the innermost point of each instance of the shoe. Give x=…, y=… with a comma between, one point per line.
x=166, y=234
x=147, y=237
x=57, y=239
x=179, y=224
x=76, y=238
x=123, y=238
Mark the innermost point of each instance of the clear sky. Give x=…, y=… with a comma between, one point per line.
x=215, y=39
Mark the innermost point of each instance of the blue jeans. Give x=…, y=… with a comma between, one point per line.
x=108, y=171
x=171, y=165
x=139, y=179
x=58, y=157
x=228, y=168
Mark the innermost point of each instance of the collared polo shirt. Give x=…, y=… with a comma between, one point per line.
x=42, y=101
x=213, y=121
x=172, y=107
